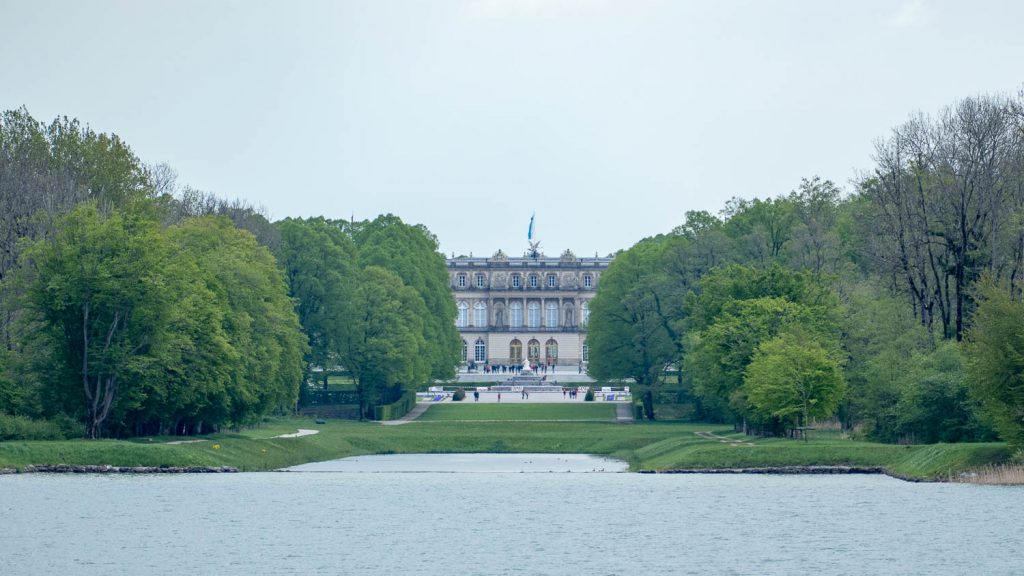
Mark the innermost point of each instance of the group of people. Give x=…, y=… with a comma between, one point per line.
x=571, y=392
x=513, y=368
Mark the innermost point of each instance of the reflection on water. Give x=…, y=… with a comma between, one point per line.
x=468, y=463
x=504, y=524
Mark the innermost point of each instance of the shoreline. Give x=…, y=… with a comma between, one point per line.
x=107, y=469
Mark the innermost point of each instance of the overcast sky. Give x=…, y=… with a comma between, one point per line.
x=608, y=119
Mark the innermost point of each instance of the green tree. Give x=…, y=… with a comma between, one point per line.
x=735, y=309
x=628, y=333
x=793, y=379
x=995, y=353
x=97, y=287
x=259, y=324
x=385, y=351
x=411, y=253
x=935, y=404
x=321, y=267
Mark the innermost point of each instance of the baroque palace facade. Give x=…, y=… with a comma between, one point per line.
x=530, y=308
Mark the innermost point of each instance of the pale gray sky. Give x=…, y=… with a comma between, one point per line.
x=607, y=119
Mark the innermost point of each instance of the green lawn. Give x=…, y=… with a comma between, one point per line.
x=471, y=411
x=645, y=445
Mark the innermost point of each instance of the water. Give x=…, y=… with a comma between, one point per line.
x=487, y=522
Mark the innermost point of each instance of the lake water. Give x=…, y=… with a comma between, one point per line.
x=478, y=520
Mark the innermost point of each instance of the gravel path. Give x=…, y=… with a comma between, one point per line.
x=301, y=432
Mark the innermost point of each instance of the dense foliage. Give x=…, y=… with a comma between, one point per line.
x=129, y=306
x=374, y=299
x=814, y=304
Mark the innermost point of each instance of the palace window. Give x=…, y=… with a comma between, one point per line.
x=533, y=281
x=533, y=351
x=552, y=281
x=551, y=352
x=480, y=350
x=463, y=319
x=516, y=281
x=588, y=281
x=481, y=280
x=586, y=353
x=461, y=280
x=463, y=350
x=551, y=320
x=515, y=352
x=533, y=315
x=480, y=315
x=515, y=313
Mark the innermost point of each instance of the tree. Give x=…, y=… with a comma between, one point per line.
x=815, y=206
x=939, y=193
x=97, y=287
x=733, y=311
x=258, y=320
x=321, y=266
x=793, y=379
x=761, y=228
x=385, y=350
x=627, y=333
x=995, y=353
x=411, y=253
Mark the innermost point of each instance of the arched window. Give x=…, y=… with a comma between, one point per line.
x=551, y=318
x=463, y=350
x=533, y=315
x=585, y=313
x=480, y=315
x=515, y=352
x=463, y=319
x=515, y=313
x=480, y=350
x=533, y=351
x=551, y=352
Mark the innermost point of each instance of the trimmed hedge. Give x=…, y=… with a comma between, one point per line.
x=397, y=409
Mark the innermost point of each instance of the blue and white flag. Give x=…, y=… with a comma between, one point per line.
x=529, y=233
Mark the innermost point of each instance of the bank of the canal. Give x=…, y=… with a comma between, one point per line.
x=646, y=446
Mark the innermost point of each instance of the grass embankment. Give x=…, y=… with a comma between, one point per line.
x=511, y=428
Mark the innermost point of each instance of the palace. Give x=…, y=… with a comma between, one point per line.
x=531, y=307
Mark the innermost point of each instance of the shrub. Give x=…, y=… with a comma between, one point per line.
x=22, y=428
x=589, y=397
x=459, y=395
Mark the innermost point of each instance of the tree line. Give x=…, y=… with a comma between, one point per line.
x=896, y=307
x=132, y=306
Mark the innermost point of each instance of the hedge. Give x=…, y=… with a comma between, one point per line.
x=396, y=409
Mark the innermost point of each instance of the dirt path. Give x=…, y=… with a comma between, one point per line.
x=413, y=414
x=716, y=438
x=624, y=413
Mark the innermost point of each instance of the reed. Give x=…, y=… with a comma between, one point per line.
x=996, y=475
